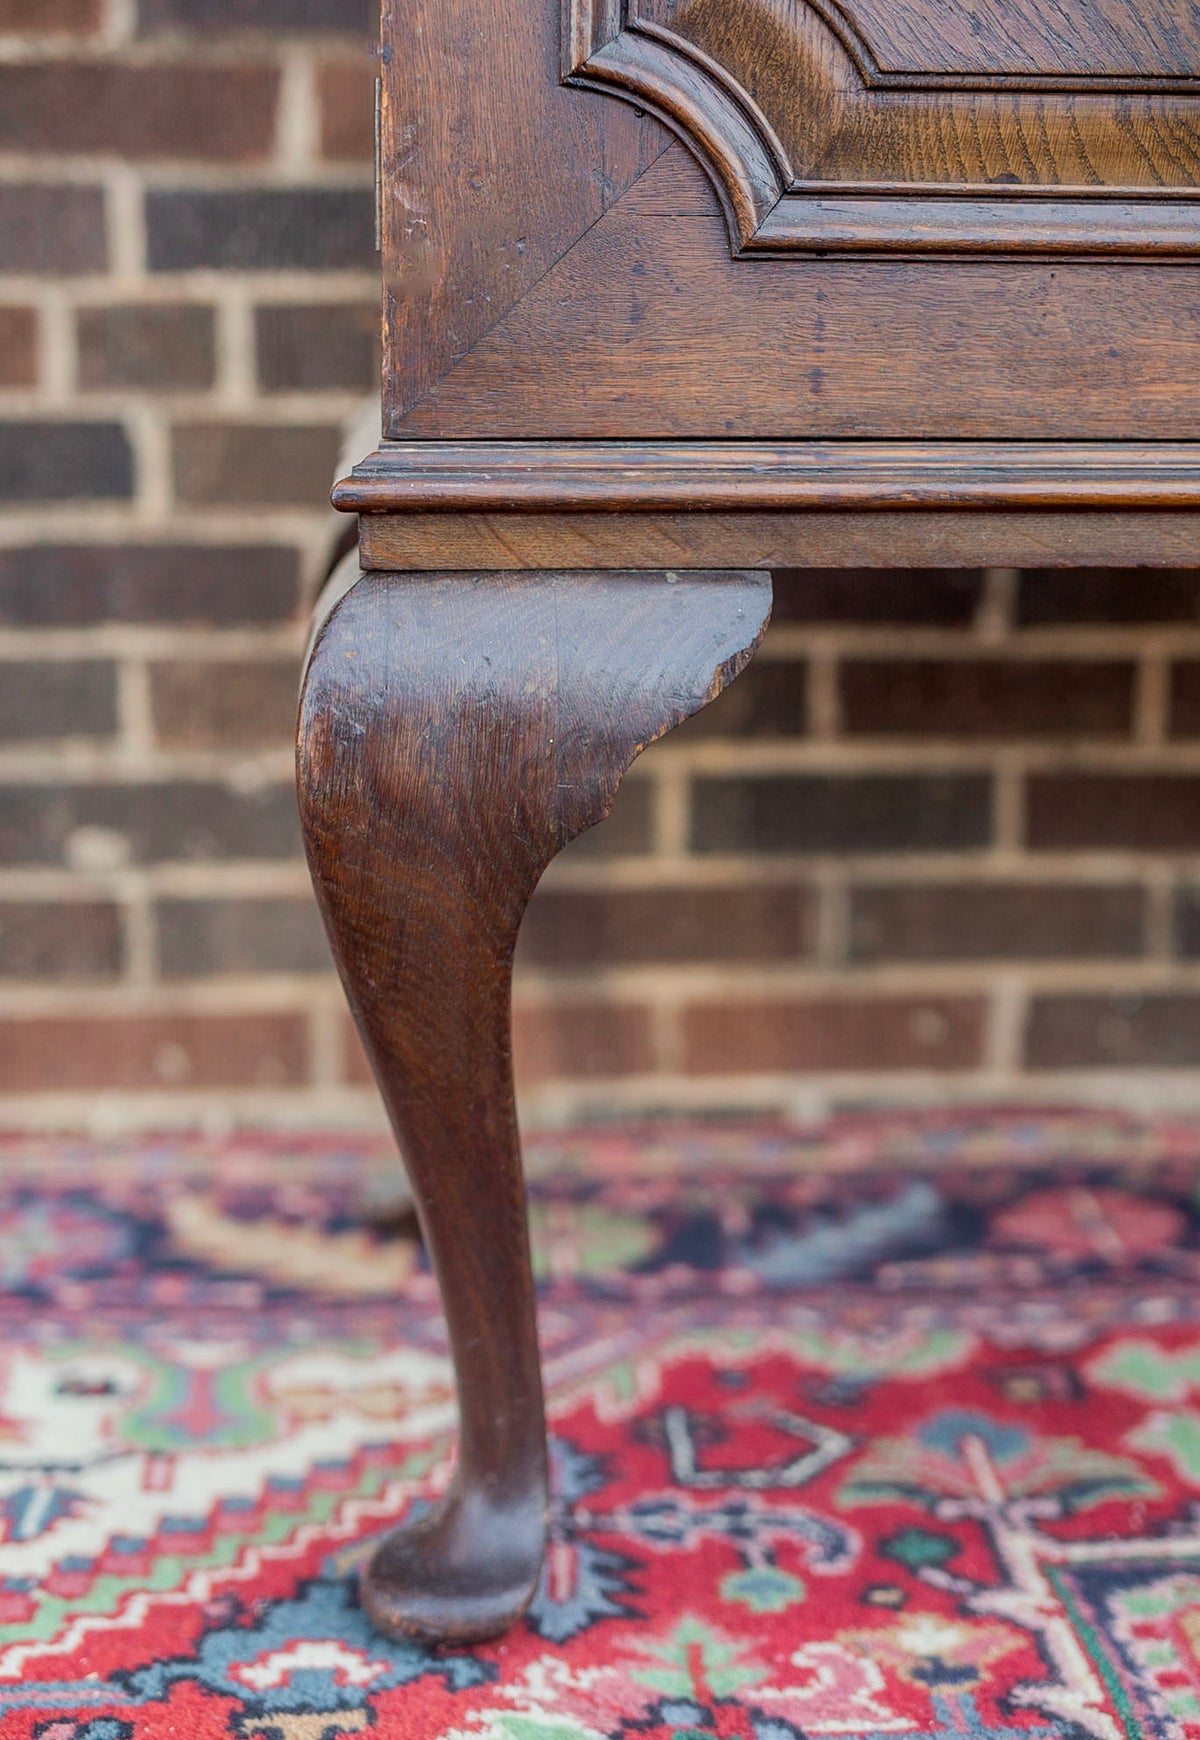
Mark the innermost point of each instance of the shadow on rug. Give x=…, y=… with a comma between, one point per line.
x=890, y=1426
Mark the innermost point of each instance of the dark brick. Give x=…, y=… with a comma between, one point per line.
x=311, y=348
x=267, y=464
x=560, y=1042
x=346, y=104
x=853, y=813
x=220, y=113
x=347, y=17
x=625, y=833
x=18, y=347
x=311, y=229
x=833, y=1033
x=52, y=230
x=985, y=698
x=1139, y=812
x=57, y=698
x=153, y=347
x=941, y=597
x=1185, y=699
x=970, y=921
x=59, y=939
x=1131, y=1030
x=628, y=926
x=191, y=820
x=770, y=699
x=131, y=1052
x=74, y=585
x=204, y=938
x=1187, y=922
x=234, y=704
x=65, y=462
x=1048, y=596
x=49, y=17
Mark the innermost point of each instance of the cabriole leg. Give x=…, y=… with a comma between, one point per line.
x=456, y=731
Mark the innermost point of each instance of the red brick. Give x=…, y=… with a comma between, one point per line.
x=358, y=18
x=49, y=17
x=50, y=461
x=220, y=585
x=228, y=704
x=883, y=812
x=203, y=938
x=585, y=1041
x=1132, y=1030
x=130, y=1053
x=970, y=921
x=59, y=939
x=260, y=229
x=986, y=698
x=18, y=347
x=216, y=113
x=1138, y=812
x=154, y=347
x=938, y=597
x=346, y=100
x=182, y=821
x=47, y=698
x=268, y=464
x=625, y=926
x=317, y=347
x=813, y=1035
x=52, y=231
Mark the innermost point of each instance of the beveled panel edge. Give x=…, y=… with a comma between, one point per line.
x=751, y=476
x=1101, y=226
x=768, y=210
x=715, y=118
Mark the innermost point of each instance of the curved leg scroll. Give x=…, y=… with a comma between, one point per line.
x=456, y=731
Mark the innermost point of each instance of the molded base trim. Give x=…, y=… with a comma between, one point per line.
x=755, y=476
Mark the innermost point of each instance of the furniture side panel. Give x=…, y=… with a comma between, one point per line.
x=490, y=170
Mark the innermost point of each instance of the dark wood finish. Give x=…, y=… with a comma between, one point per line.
x=915, y=105
x=679, y=285
x=645, y=476
x=456, y=731
x=1013, y=266
x=911, y=538
x=490, y=171
x=646, y=328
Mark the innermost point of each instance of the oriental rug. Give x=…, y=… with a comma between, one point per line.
x=889, y=1426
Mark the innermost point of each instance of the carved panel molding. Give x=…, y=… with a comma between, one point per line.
x=921, y=126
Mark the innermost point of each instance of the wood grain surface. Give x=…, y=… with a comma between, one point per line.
x=963, y=538
x=647, y=328
x=652, y=476
x=937, y=264
x=456, y=731
x=922, y=101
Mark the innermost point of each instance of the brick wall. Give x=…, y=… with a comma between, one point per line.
x=188, y=310
x=943, y=838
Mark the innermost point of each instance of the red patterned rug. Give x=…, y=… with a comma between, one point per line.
x=887, y=1427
